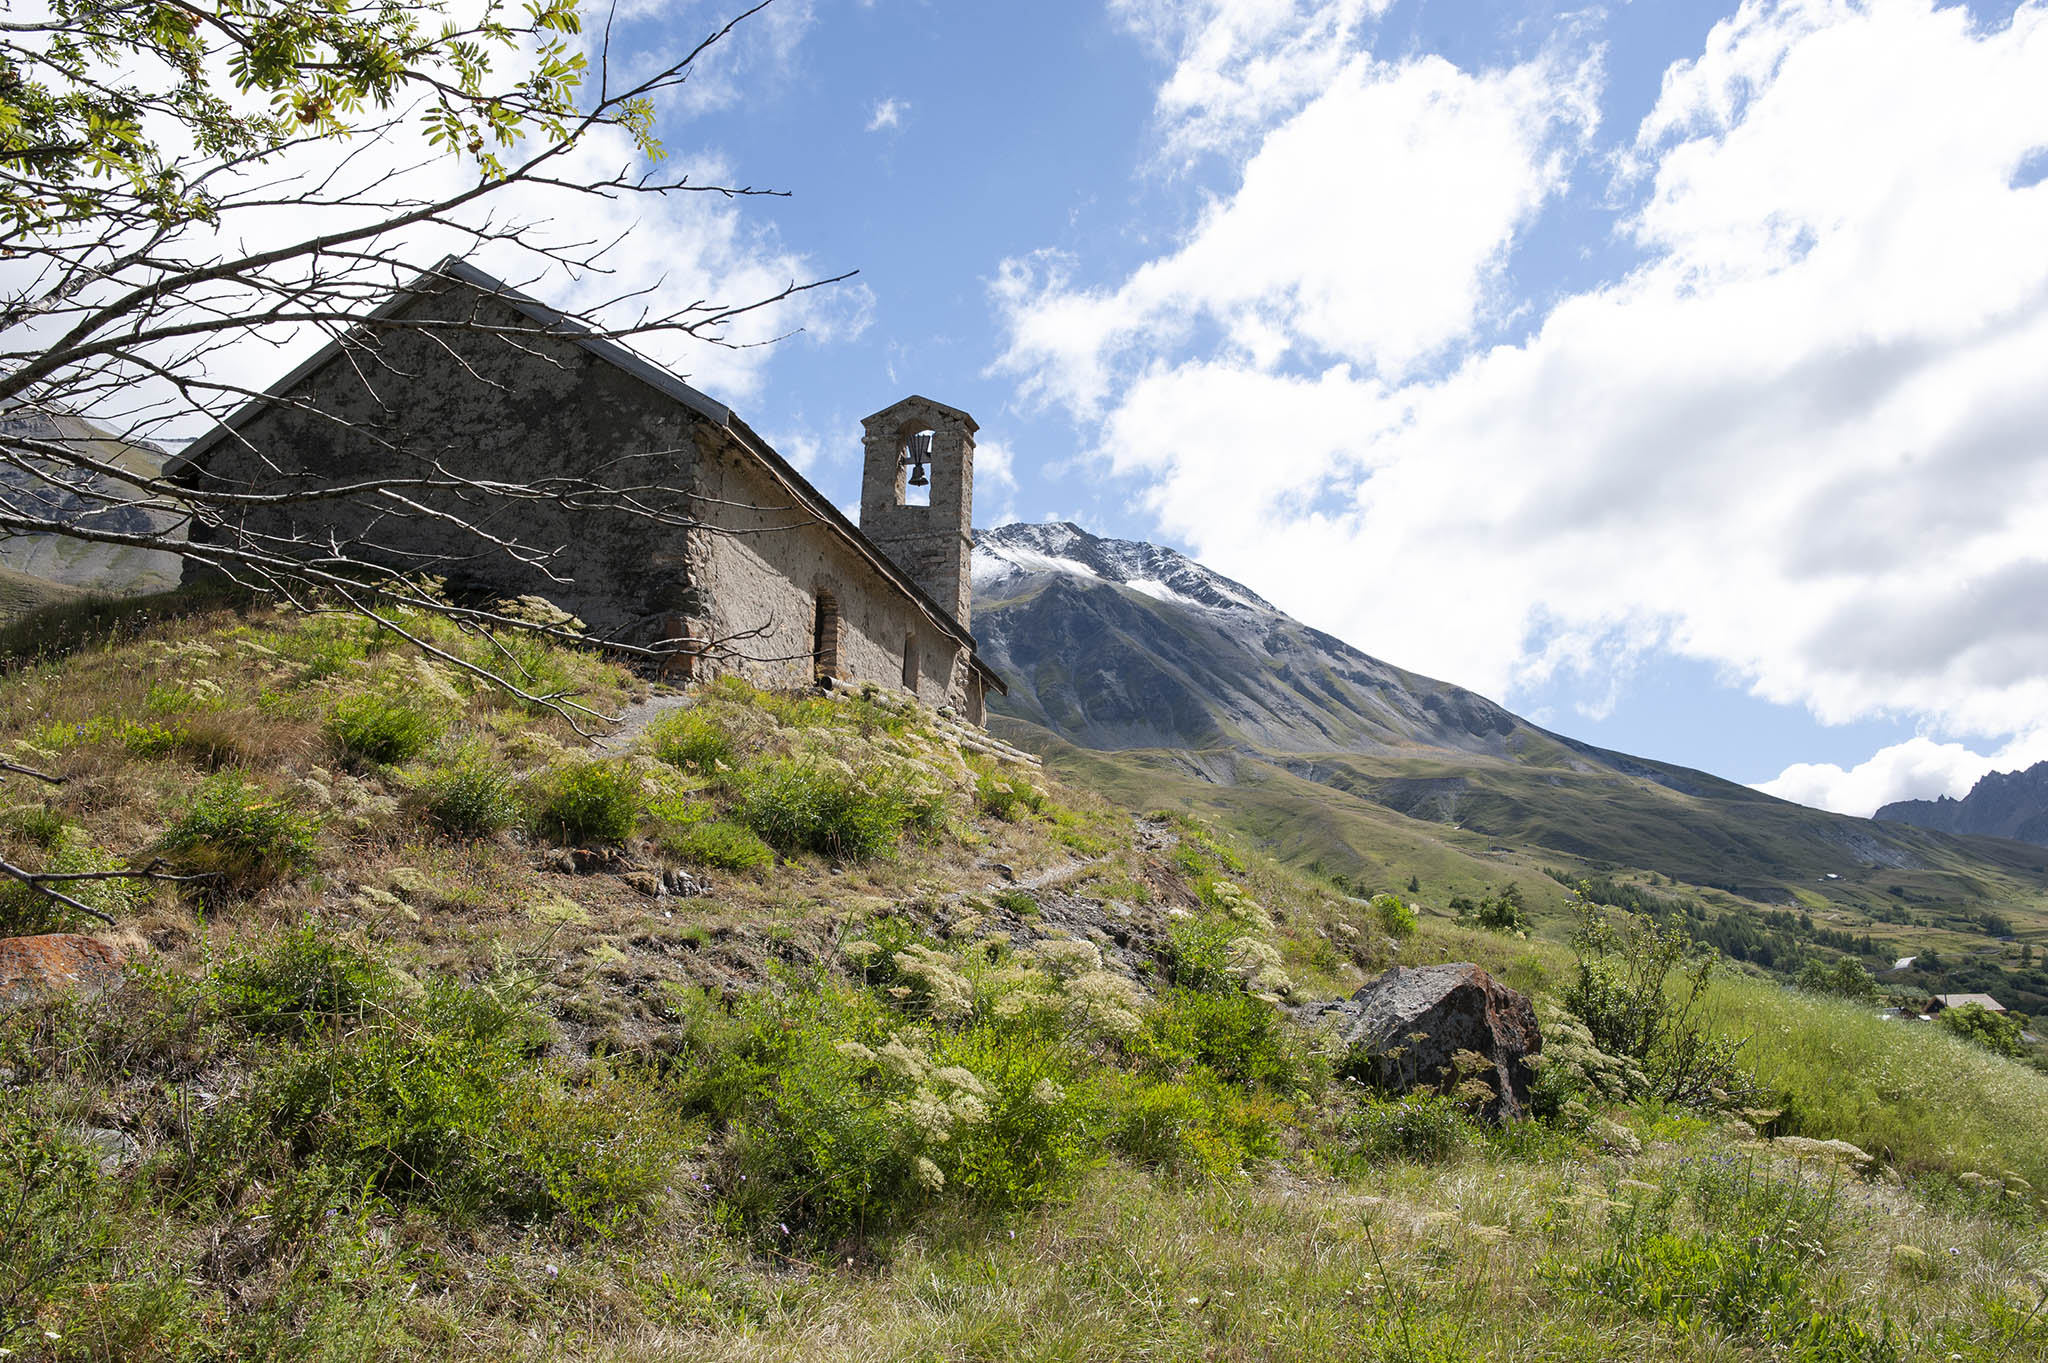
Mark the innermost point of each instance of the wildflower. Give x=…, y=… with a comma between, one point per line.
x=960, y=1078
x=855, y=1050
x=901, y=1061
x=932, y=1119
x=1046, y=1093
x=932, y=1178
x=1070, y=956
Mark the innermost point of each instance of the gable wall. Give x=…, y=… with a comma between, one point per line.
x=487, y=407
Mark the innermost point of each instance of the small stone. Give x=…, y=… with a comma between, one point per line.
x=112, y=1150
x=683, y=885
x=646, y=882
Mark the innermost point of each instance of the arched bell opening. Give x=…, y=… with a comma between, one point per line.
x=915, y=455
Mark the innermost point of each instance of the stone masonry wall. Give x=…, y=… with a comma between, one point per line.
x=541, y=409
x=762, y=568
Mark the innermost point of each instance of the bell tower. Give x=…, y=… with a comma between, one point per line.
x=917, y=496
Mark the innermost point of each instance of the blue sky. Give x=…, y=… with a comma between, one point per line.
x=1675, y=373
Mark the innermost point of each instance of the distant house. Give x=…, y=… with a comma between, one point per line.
x=458, y=372
x=1941, y=1002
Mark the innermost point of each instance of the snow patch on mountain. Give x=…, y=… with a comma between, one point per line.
x=1023, y=548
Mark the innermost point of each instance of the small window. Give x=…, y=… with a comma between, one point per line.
x=910, y=663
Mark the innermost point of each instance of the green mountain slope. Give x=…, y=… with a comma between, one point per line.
x=1164, y=682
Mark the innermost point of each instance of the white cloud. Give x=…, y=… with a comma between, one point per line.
x=888, y=113
x=995, y=472
x=1805, y=440
x=1367, y=228
x=1240, y=64
x=1918, y=769
x=994, y=463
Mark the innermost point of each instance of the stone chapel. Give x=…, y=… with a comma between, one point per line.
x=728, y=554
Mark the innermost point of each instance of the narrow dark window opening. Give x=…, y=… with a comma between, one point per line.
x=825, y=637
x=910, y=663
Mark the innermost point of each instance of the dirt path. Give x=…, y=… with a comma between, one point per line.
x=638, y=716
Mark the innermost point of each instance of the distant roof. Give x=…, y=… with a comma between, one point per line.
x=649, y=373
x=1984, y=1001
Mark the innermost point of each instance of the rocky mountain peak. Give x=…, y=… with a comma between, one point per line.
x=1023, y=548
x=2004, y=804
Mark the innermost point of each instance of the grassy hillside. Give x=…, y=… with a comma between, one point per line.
x=1972, y=907
x=22, y=592
x=1200, y=698
x=787, y=1030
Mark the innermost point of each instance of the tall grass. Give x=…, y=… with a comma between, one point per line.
x=1905, y=1090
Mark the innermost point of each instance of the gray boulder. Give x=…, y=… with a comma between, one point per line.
x=1408, y=1028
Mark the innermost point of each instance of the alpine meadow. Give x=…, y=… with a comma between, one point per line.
x=1121, y=680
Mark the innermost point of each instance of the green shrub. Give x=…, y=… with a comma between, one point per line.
x=1997, y=1032
x=153, y=739
x=1240, y=1039
x=447, y=1107
x=40, y=825
x=299, y=982
x=1502, y=911
x=534, y=665
x=1845, y=978
x=381, y=729
x=1018, y=902
x=239, y=837
x=53, y=1229
x=23, y=910
x=844, y=1117
x=1198, y=954
x=586, y=802
x=1031, y=1132
x=1005, y=797
x=1396, y=919
x=1425, y=1127
x=801, y=805
x=1642, y=992
x=691, y=739
x=1188, y=1128
x=471, y=795
x=1746, y=1272
x=728, y=846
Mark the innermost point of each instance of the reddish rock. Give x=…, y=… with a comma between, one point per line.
x=1408, y=1025
x=54, y=963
